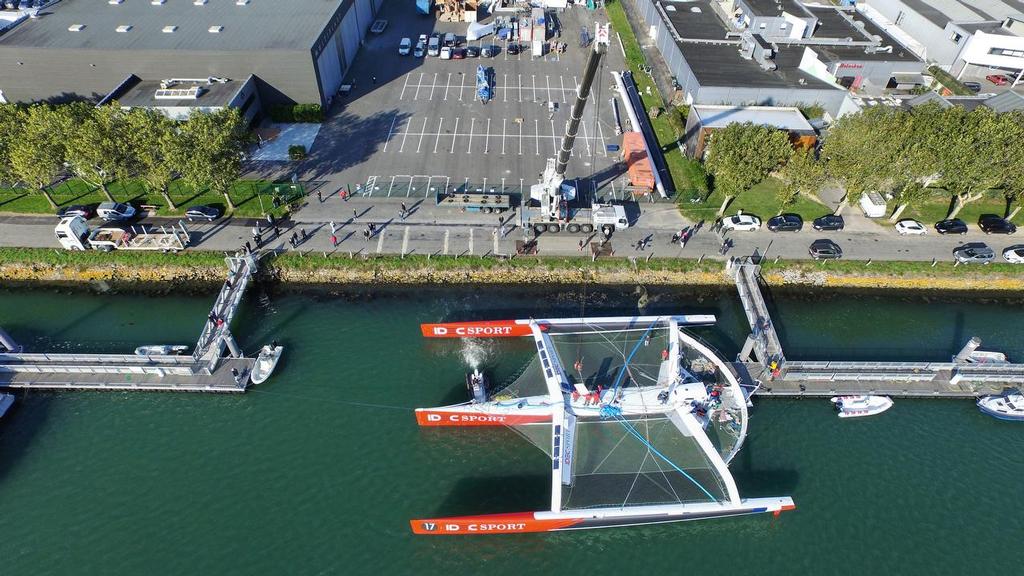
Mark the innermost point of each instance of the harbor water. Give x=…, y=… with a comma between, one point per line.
x=319, y=470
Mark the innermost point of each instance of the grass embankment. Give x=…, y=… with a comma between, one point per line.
x=948, y=81
x=668, y=130
x=761, y=200
x=34, y=265
x=251, y=197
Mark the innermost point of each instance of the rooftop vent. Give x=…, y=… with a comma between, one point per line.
x=123, y=28
x=695, y=9
x=76, y=27
x=199, y=2
x=169, y=29
x=215, y=29
x=114, y=1
x=157, y=2
x=241, y=2
x=191, y=93
x=670, y=8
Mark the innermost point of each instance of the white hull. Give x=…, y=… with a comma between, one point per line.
x=265, y=364
x=1004, y=407
x=860, y=406
x=161, y=350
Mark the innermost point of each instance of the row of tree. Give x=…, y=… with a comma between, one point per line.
x=105, y=144
x=882, y=149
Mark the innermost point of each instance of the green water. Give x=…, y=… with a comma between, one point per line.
x=319, y=470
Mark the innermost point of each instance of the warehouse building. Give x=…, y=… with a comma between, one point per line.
x=703, y=120
x=776, y=53
x=294, y=51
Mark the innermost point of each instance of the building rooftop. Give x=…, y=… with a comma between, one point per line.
x=721, y=65
x=790, y=119
x=987, y=27
x=210, y=25
x=136, y=92
x=696, y=21
x=942, y=12
x=835, y=23
x=1006, y=102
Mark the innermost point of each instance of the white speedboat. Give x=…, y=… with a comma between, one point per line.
x=161, y=350
x=862, y=405
x=6, y=401
x=265, y=363
x=1009, y=406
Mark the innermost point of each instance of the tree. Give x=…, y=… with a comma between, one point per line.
x=861, y=148
x=911, y=193
x=99, y=149
x=152, y=136
x=803, y=174
x=972, y=153
x=37, y=154
x=742, y=155
x=209, y=148
x=11, y=119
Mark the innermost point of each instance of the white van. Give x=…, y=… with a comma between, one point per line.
x=873, y=205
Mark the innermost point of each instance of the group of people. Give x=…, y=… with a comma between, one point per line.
x=593, y=398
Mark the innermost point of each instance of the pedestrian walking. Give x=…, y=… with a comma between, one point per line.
x=320, y=196
x=366, y=236
x=277, y=231
x=255, y=230
x=675, y=239
x=354, y=214
x=270, y=219
x=302, y=234
x=257, y=240
x=333, y=229
x=248, y=249
x=294, y=240
x=581, y=245
x=373, y=228
x=404, y=209
x=334, y=241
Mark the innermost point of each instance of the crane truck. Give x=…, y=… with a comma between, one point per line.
x=554, y=192
x=74, y=233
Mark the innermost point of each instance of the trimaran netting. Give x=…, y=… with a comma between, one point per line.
x=639, y=418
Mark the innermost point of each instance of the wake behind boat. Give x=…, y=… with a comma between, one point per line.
x=1009, y=406
x=862, y=405
x=639, y=431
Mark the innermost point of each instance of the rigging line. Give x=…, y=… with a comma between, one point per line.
x=635, y=478
x=636, y=348
x=332, y=401
x=637, y=435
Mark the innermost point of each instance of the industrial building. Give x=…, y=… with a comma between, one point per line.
x=776, y=53
x=968, y=39
x=292, y=52
x=704, y=119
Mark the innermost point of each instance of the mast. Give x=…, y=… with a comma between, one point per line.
x=576, y=115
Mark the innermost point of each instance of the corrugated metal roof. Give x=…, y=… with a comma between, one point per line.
x=1006, y=102
x=258, y=25
x=777, y=117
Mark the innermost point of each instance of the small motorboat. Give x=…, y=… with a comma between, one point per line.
x=862, y=405
x=476, y=383
x=984, y=357
x=6, y=401
x=265, y=363
x=161, y=350
x=1008, y=406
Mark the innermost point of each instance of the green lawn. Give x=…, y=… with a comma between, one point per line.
x=244, y=195
x=937, y=208
x=761, y=200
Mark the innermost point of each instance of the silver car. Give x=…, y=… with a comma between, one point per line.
x=974, y=253
x=114, y=211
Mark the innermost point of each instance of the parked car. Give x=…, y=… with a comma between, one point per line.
x=829, y=222
x=114, y=211
x=378, y=26
x=472, y=51
x=489, y=51
x=203, y=212
x=513, y=49
x=84, y=210
x=1014, y=254
x=951, y=226
x=741, y=222
x=434, y=45
x=785, y=223
x=974, y=253
x=973, y=86
x=998, y=79
x=909, y=227
x=992, y=224
x=451, y=40
x=404, y=47
x=825, y=249
x=420, y=50
x=458, y=54
x=446, y=53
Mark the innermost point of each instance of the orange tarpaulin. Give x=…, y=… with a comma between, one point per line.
x=635, y=155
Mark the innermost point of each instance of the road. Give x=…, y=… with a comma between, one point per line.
x=436, y=230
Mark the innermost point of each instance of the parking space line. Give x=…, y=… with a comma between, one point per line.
x=587, y=139
x=520, y=138
x=405, y=135
x=575, y=86
x=404, y=86
x=503, y=121
x=438, y=139
x=432, y=85
x=562, y=82
x=536, y=134
x=447, y=86
x=408, y=189
x=423, y=131
x=392, y=185
x=520, y=87
x=554, y=141
x=390, y=132
x=462, y=84
x=534, y=86
x=547, y=80
x=504, y=88
x=487, y=139
x=472, y=122
x=455, y=135
x=416, y=96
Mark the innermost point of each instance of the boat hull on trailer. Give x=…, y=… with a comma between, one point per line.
x=523, y=522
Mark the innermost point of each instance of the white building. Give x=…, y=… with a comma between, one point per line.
x=973, y=38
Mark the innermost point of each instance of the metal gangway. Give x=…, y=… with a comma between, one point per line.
x=763, y=341
x=216, y=334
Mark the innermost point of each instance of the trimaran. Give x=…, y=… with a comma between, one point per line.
x=640, y=427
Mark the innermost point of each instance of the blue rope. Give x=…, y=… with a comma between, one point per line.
x=622, y=371
x=629, y=427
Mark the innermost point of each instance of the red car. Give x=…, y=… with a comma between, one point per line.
x=998, y=79
x=458, y=53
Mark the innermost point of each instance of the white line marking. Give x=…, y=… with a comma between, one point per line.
x=562, y=82
x=547, y=80
x=416, y=96
x=487, y=139
x=536, y=134
x=380, y=242
x=455, y=135
x=438, y=139
x=432, y=85
x=404, y=86
x=461, y=86
x=391, y=186
x=534, y=87
x=586, y=139
x=406, y=135
x=390, y=132
x=520, y=87
x=447, y=233
x=472, y=121
x=503, y=121
x=423, y=131
x=520, y=138
x=604, y=145
x=504, y=84
x=447, y=86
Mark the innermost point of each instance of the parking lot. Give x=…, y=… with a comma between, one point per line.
x=413, y=126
